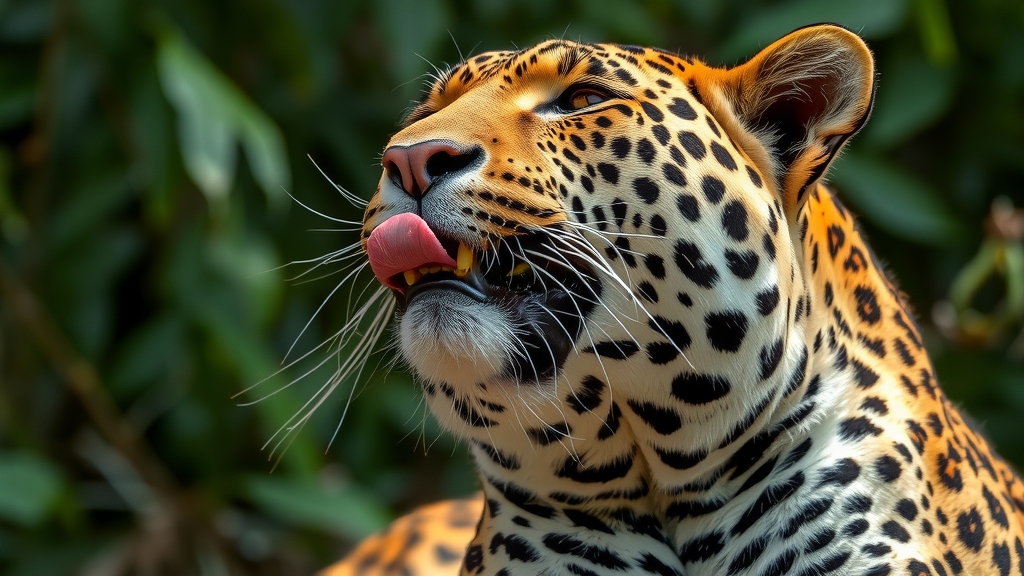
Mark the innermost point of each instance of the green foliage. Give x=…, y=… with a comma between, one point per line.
x=31, y=488
x=214, y=116
x=895, y=200
x=153, y=336
x=345, y=510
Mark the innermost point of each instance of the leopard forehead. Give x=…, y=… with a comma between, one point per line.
x=552, y=64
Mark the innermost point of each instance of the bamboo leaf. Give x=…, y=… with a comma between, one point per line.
x=214, y=117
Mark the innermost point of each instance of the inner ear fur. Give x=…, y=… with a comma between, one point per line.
x=793, y=105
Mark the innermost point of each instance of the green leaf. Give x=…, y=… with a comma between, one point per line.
x=7, y=547
x=200, y=96
x=107, y=20
x=869, y=18
x=19, y=80
x=343, y=509
x=31, y=487
x=701, y=12
x=214, y=116
x=155, y=168
x=218, y=306
x=912, y=94
x=895, y=200
x=264, y=147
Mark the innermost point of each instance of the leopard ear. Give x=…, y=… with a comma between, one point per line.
x=794, y=104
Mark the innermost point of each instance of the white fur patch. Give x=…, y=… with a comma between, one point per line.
x=449, y=337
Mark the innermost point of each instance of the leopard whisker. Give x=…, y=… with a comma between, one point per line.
x=352, y=366
x=348, y=327
x=345, y=230
x=572, y=298
x=636, y=301
x=319, y=260
x=588, y=228
x=377, y=327
x=342, y=270
x=331, y=258
x=357, y=359
x=351, y=274
x=626, y=284
x=350, y=197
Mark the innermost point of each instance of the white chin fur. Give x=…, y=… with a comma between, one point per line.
x=448, y=337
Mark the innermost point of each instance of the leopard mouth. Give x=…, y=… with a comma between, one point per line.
x=545, y=294
x=500, y=271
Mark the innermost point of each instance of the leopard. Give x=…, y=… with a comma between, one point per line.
x=621, y=279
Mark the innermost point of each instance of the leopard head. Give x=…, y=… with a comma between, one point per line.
x=594, y=249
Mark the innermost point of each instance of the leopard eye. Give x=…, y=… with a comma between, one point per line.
x=579, y=98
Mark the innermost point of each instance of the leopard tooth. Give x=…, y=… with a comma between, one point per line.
x=521, y=268
x=464, y=260
x=411, y=277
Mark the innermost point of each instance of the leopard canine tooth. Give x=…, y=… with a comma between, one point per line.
x=411, y=277
x=520, y=268
x=464, y=260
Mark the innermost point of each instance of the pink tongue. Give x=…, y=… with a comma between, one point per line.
x=403, y=242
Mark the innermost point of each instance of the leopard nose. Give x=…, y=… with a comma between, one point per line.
x=415, y=168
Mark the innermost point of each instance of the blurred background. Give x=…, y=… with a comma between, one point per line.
x=148, y=149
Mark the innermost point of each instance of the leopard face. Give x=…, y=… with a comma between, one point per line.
x=597, y=213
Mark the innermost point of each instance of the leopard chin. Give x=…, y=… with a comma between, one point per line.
x=510, y=337
x=447, y=336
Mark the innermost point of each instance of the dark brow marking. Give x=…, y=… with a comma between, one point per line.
x=572, y=58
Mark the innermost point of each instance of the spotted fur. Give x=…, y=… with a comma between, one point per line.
x=429, y=542
x=712, y=374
